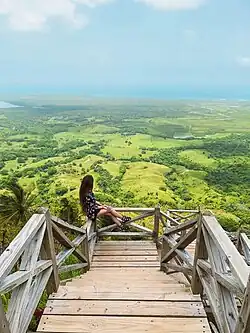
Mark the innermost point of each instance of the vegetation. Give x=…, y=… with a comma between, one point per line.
x=141, y=153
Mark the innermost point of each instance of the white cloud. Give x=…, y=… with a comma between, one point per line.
x=34, y=14
x=173, y=4
x=243, y=61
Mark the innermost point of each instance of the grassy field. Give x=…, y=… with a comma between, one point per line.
x=199, y=157
x=61, y=142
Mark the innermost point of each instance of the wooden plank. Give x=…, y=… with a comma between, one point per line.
x=169, y=218
x=125, y=258
x=180, y=227
x=4, y=325
x=177, y=268
x=13, y=252
x=20, y=296
x=14, y=280
x=236, y=262
x=126, y=242
x=64, y=225
x=243, y=322
x=245, y=245
x=225, y=279
x=183, y=242
x=126, y=264
x=134, y=210
x=124, y=285
x=48, y=253
x=64, y=240
x=141, y=228
x=34, y=297
x=71, y=292
x=225, y=311
x=200, y=253
x=84, y=324
x=125, y=248
x=106, y=253
x=120, y=280
x=73, y=267
x=156, y=223
x=184, y=210
x=123, y=234
x=125, y=308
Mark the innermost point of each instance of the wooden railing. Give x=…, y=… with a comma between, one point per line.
x=31, y=264
x=190, y=242
x=216, y=269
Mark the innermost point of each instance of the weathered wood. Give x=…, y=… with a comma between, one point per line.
x=125, y=252
x=64, y=254
x=64, y=240
x=156, y=223
x=183, y=242
x=125, y=258
x=200, y=253
x=14, y=280
x=243, y=322
x=13, y=252
x=178, y=268
x=184, y=210
x=180, y=227
x=227, y=280
x=141, y=228
x=126, y=264
x=169, y=218
x=245, y=246
x=35, y=294
x=134, y=210
x=227, y=304
x=85, y=251
x=124, y=234
x=125, y=308
x=138, y=295
x=48, y=252
x=73, y=267
x=20, y=296
x=64, y=225
x=222, y=241
x=4, y=325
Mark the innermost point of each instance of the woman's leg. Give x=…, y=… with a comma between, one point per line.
x=106, y=212
x=114, y=212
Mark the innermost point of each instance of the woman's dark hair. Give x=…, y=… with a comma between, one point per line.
x=86, y=187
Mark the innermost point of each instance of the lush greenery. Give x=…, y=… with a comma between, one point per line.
x=141, y=153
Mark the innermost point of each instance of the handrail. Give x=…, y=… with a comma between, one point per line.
x=34, y=251
x=217, y=270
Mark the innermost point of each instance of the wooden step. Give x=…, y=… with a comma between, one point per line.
x=125, y=264
x=115, y=252
x=125, y=308
x=104, y=324
x=125, y=258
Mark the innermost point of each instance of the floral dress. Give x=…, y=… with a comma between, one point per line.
x=92, y=208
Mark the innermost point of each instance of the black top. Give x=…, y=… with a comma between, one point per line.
x=91, y=207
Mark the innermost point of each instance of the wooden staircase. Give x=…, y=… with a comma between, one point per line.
x=124, y=290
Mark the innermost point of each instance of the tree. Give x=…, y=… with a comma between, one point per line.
x=16, y=207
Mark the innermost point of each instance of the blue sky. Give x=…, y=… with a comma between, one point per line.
x=101, y=46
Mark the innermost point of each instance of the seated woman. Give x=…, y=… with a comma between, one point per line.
x=94, y=209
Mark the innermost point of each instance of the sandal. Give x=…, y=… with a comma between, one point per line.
x=126, y=219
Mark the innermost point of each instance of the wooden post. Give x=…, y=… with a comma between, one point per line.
x=200, y=253
x=156, y=223
x=243, y=323
x=85, y=251
x=4, y=325
x=48, y=252
x=165, y=249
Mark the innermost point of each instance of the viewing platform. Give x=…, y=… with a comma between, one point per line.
x=182, y=275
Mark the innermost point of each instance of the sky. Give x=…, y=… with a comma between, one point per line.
x=117, y=46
